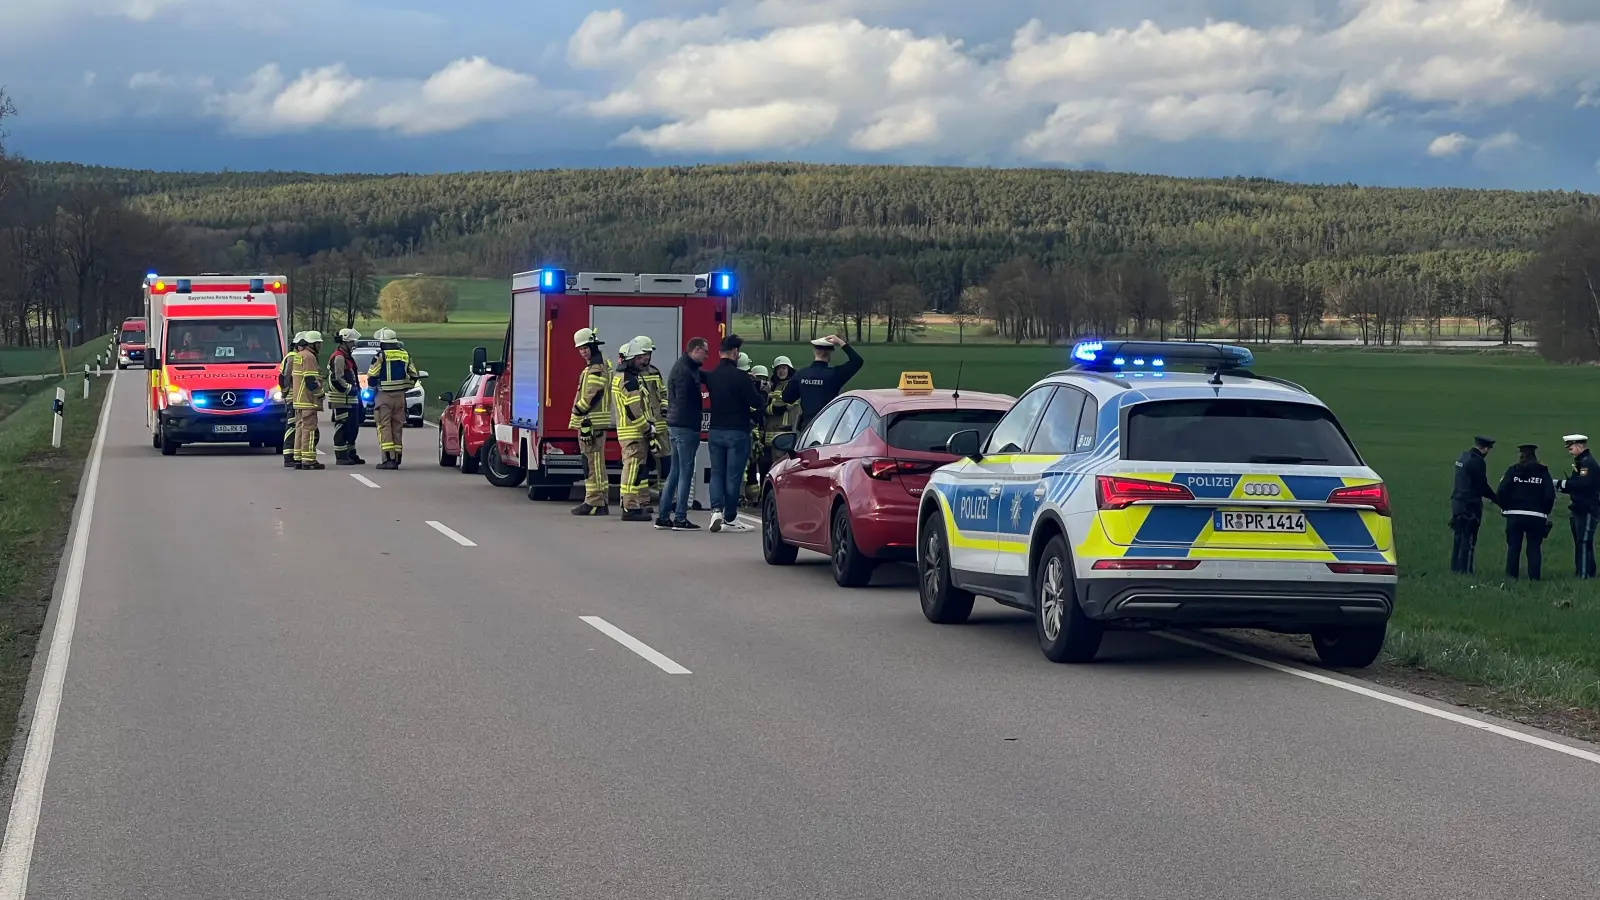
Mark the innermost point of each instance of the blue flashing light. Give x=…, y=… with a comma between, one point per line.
x=184, y=286
x=199, y=401
x=1117, y=355
x=721, y=284
x=257, y=285
x=257, y=401
x=151, y=275
x=1138, y=362
x=552, y=281
x=366, y=394
x=1119, y=361
x=1087, y=350
x=1158, y=363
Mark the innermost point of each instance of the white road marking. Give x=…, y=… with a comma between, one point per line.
x=1412, y=705
x=450, y=533
x=632, y=643
x=752, y=521
x=364, y=479
x=16, y=854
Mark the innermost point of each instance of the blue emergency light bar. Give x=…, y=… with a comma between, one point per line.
x=184, y=286
x=721, y=285
x=257, y=285
x=1156, y=356
x=552, y=281
x=151, y=275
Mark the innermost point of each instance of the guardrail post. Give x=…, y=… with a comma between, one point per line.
x=60, y=410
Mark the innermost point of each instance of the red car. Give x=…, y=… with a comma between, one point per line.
x=851, y=484
x=466, y=423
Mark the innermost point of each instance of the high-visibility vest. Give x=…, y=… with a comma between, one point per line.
x=393, y=371
x=592, y=402
x=627, y=396
x=307, y=381
x=343, y=393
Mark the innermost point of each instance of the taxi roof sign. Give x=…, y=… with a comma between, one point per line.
x=916, y=382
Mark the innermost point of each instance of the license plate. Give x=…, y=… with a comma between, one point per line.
x=1271, y=522
x=229, y=429
x=705, y=421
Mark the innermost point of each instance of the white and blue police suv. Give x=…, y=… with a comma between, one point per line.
x=1123, y=493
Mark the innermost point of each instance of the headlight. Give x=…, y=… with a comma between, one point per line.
x=177, y=397
x=275, y=395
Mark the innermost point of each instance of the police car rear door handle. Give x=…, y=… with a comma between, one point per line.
x=1038, y=491
x=994, y=490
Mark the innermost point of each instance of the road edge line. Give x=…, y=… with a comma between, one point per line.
x=1386, y=697
x=654, y=656
x=22, y=821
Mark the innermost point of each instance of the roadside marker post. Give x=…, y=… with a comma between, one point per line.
x=60, y=415
x=85, y=381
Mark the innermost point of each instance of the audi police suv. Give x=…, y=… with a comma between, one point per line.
x=1125, y=494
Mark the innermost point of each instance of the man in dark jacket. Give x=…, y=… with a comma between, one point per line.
x=683, y=430
x=1527, y=494
x=736, y=408
x=1466, y=502
x=816, y=385
x=1582, y=485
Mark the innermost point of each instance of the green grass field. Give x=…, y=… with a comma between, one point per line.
x=1410, y=414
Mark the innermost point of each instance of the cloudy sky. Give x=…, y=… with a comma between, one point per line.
x=1502, y=93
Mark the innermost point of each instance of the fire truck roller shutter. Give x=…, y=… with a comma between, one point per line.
x=662, y=324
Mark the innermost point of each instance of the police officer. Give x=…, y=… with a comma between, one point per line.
x=1526, y=495
x=816, y=385
x=1466, y=502
x=390, y=376
x=286, y=387
x=308, y=394
x=633, y=432
x=591, y=415
x=344, y=399
x=658, y=464
x=1582, y=487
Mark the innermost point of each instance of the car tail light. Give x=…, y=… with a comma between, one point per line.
x=1363, y=568
x=1116, y=492
x=1146, y=565
x=480, y=410
x=885, y=469
x=1373, y=495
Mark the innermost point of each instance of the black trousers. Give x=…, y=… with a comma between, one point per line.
x=1527, y=530
x=1465, y=523
x=1583, y=524
x=347, y=422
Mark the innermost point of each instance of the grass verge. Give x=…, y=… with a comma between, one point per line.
x=38, y=487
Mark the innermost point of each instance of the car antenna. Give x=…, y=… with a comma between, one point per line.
x=955, y=395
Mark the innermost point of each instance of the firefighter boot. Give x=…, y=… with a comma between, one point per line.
x=343, y=458
x=584, y=509
x=388, y=462
x=289, y=461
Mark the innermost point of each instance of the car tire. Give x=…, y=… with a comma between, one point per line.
x=468, y=461
x=773, y=548
x=851, y=567
x=1350, y=648
x=446, y=460
x=169, y=447
x=1066, y=635
x=942, y=602
x=497, y=472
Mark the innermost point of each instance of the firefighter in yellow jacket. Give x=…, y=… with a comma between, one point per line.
x=390, y=376
x=591, y=416
x=634, y=431
x=286, y=387
x=659, y=461
x=308, y=395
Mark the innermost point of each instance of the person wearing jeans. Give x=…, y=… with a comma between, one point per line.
x=683, y=430
x=736, y=405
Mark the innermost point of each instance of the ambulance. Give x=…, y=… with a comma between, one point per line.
x=213, y=347
x=536, y=376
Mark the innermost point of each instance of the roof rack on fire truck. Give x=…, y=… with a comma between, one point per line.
x=559, y=281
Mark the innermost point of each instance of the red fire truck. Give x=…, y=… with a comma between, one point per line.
x=537, y=373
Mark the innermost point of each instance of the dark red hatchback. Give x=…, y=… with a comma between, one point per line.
x=852, y=482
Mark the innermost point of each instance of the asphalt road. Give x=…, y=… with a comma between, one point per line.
x=290, y=684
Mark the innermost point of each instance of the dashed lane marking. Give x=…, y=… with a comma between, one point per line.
x=450, y=533
x=637, y=646
x=364, y=480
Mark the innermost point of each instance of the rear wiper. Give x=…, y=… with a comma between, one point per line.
x=1287, y=460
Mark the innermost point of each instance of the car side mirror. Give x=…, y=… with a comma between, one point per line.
x=151, y=361
x=447, y=396
x=784, y=441
x=966, y=443
x=480, y=361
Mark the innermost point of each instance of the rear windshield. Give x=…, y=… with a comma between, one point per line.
x=1237, y=431
x=930, y=430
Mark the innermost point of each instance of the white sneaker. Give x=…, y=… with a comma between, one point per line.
x=716, y=523
x=736, y=525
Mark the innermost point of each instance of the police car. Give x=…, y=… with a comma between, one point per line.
x=1125, y=494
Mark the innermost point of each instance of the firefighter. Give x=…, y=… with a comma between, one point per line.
x=286, y=387
x=781, y=416
x=308, y=394
x=658, y=464
x=344, y=399
x=760, y=453
x=1582, y=486
x=1466, y=502
x=634, y=430
x=390, y=376
x=591, y=413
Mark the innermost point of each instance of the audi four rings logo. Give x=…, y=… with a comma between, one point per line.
x=1261, y=489
x=229, y=398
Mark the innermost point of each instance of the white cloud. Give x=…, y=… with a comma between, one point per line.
x=1069, y=97
x=1449, y=146
x=465, y=92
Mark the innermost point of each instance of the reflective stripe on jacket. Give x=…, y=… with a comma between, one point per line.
x=307, y=381
x=592, y=402
x=627, y=397
x=393, y=371
x=344, y=386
